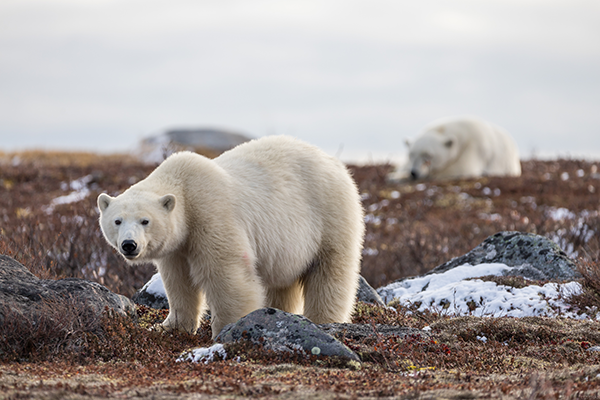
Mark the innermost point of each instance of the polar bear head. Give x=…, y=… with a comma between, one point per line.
x=142, y=226
x=431, y=152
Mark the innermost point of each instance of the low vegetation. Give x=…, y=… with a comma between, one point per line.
x=48, y=222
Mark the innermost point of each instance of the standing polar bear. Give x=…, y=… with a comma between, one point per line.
x=273, y=222
x=461, y=148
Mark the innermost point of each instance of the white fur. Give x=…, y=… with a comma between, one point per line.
x=463, y=147
x=273, y=222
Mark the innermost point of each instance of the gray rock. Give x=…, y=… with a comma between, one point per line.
x=23, y=293
x=152, y=300
x=213, y=139
x=363, y=331
x=210, y=142
x=367, y=294
x=532, y=256
x=281, y=331
x=152, y=294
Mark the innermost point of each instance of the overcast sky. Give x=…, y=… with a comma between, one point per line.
x=365, y=75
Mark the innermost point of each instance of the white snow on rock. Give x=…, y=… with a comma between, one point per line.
x=458, y=292
x=155, y=286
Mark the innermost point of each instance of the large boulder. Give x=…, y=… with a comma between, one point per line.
x=281, y=331
x=25, y=295
x=205, y=141
x=532, y=256
x=506, y=275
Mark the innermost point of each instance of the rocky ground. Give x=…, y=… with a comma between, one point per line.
x=48, y=222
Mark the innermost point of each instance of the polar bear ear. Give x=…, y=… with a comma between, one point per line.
x=168, y=202
x=407, y=142
x=103, y=201
x=449, y=143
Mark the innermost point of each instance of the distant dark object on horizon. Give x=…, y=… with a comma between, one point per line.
x=209, y=142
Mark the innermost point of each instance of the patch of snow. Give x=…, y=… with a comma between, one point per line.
x=372, y=219
x=581, y=230
x=560, y=214
x=367, y=251
x=373, y=207
x=490, y=217
x=80, y=192
x=204, y=354
x=456, y=292
x=529, y=200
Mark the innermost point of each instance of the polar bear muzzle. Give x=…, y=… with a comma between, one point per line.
x=129, y=248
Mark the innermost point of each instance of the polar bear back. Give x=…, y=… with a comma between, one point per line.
x=281, y=202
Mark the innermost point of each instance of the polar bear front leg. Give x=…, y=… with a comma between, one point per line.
x=186, y=300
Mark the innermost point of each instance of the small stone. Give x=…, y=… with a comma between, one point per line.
x=367, y=294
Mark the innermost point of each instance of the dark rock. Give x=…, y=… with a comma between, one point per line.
x=281, y=331
x=367, y=294
x=152, y=294
x=23, y=293
x=532, y=256
x=152, y=300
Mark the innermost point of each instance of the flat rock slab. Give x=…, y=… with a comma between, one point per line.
x=363, y=331
x=531, y=256
x=281, y=331
x=23, y=293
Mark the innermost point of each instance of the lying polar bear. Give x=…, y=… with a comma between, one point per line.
x=464, y=147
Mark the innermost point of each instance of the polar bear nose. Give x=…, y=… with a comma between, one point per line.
x=413, y=174
x=128, y=246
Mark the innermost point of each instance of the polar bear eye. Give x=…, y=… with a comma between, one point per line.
x=117, y=222
x=145, y=222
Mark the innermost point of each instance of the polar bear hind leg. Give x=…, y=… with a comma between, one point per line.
x=287, y=299
x=330, y=287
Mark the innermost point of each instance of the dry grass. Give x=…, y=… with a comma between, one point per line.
x=411, y=228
